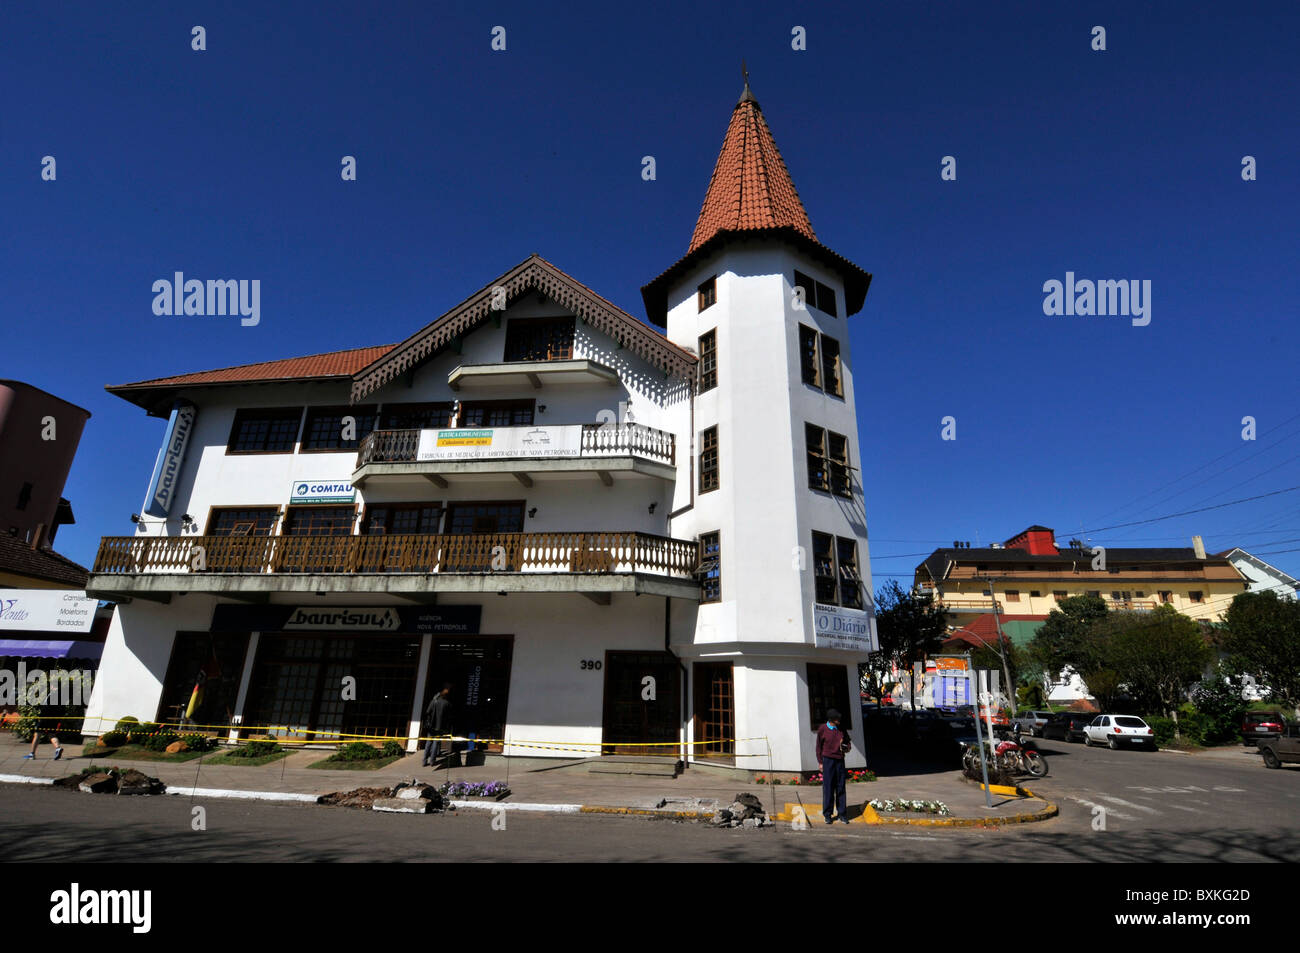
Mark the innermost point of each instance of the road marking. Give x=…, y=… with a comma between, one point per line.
x=1180, y=807
x=1110, y=811
x=1123, y=803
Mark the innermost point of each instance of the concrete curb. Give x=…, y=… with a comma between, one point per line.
x=870, y=816
x=23, y=779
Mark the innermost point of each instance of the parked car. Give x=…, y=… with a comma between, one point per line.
x=1119, y=731
x=1067, y=725
x=1281, y=749
x=1257, y=726
x=1031, y=721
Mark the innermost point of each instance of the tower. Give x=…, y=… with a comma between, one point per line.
x=776, y=496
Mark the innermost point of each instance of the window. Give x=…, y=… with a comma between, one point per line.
x=708, y=361
x=828, y=687
x=1013, y=595
x=818, y=474
x=496, y=413
x=824, y=581
x=1140, y=594
x=710, y=568
x=1095, y=593
x=828, y=460
x=1196, y=595
x=436, y=416
x=403, y=519
x=815, y=294
x=265, y=431
x=709, y=479
x=478, y=518
x=539, y=339
x=846, y=551
x=1166, y=595
x=242, y=521
x=808, y=361
x=708, y=293
x=831, y=366
x=319, y=520
x=1035, y=594
x=324, y=428
x=1059, y=594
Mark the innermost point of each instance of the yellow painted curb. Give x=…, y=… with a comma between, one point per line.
x=870, y=816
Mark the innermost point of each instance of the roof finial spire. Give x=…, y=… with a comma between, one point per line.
x=746, y=96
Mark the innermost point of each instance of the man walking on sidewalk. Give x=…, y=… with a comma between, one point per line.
x=832, y=743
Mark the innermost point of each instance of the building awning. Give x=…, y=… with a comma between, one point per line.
x=50, y=648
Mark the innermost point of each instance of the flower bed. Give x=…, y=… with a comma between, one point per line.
x=853, y=777
x=463, y=789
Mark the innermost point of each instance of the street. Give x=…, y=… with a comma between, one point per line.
x=1222, y=806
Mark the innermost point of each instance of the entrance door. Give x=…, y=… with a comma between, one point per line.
x=484, y=536
x=478, y=669
x=715, y=711
x=635, y=723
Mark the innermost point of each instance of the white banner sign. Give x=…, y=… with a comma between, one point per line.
x=322, y=491
x=46, y=610
x=853, y=630
x=489, y=443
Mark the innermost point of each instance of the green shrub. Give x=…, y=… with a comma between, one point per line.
x=141, y=733
x=392, y=749
x=196, y=742
x=126, y=724
x=356, y=751
x=1162, y=728
x=160, y=740
x=113, y=739
x=28, y=723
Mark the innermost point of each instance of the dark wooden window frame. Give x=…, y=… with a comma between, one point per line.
x=810, y=364
x=816, y=294
x=707, y=293
x=298, y=508
x=832, y=572
x=708, y=360
x=215, y=513
x=490, y=405
x=367, y=416
x=369, y=529
x=552, y=337
x=711, y=567
x=244, y=415
x=828, y=687
x=710, y=468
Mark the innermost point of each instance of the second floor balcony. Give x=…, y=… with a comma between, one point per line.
x=413, y=566
x=524, y=452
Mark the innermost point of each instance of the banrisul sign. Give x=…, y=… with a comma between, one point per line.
x=369, y=620
x=395, y=620
x=322, y=491
x=167, y=470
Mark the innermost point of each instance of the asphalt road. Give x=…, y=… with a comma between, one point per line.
x=1159, y=807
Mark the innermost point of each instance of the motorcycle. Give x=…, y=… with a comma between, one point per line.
x=1011, y=753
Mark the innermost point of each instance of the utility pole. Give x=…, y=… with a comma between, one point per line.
x=1002, y=649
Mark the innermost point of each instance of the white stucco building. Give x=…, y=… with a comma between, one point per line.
x=608, y=539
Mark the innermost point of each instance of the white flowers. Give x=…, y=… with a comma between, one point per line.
x=903, y=804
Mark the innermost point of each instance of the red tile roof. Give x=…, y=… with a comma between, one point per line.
x=19, y=559
x=751, y=187
x=331, y=364
x=983, y=629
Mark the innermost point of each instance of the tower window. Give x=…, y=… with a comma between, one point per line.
x=709, y=479
x=708, y=293
x=708, y=361
x=710, y=568
x=828, y=460
x=831, y=383
x=816, y=295
x=818, y=475
x=809, y=362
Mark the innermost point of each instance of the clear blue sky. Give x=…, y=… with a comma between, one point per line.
x=1117, y=164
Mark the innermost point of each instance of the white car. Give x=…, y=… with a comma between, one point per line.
x=1119, y=731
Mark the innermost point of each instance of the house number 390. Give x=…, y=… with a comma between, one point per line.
x=591, y=665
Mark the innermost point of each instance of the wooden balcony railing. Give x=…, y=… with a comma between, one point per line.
x=598, y=440
x=982, y=605
x=483, y=553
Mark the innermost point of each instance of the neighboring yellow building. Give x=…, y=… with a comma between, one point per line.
x=1029, y=574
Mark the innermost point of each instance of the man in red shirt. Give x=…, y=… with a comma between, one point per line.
x=832, y=743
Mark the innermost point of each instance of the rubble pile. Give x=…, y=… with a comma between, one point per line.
x=408, y=797
x=745, y=811
x=113, y=781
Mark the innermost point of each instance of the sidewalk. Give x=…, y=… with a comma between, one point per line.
x=688, y=795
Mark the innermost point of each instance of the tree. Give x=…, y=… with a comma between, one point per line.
x=1062, y=641
x=1159, y=655
x=1261, y=635
x=1218, y=699
x=909, y=625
